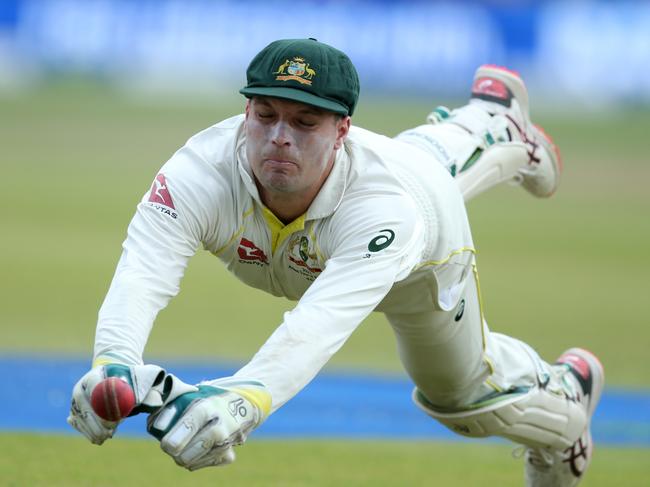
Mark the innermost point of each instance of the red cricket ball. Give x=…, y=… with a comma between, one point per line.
x=112, y=399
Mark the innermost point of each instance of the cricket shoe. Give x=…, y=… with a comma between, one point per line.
x=502, y=92
x=548, y=468
x=498, y=114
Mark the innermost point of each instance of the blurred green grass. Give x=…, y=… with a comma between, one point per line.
x=77, y=156
x=63, y=461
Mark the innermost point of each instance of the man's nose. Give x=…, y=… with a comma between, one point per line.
x=281, y=135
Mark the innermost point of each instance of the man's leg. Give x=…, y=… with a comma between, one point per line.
x=480, y=384
x=492, y=139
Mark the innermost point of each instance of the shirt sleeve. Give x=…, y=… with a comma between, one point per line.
x=170, y=223
x=374, y=244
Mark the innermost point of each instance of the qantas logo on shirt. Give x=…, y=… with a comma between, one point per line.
x=248, y=251
x=160, y=193
x=159, y=197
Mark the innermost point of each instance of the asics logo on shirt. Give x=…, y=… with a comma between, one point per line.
x=383, y=240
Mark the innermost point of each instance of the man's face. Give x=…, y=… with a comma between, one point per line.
x=291, y=146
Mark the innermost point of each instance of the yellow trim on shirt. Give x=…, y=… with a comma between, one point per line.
x=237, y=234
x=280, y=231
x=446, y=259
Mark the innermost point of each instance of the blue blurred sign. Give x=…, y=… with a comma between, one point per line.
x=570, y=49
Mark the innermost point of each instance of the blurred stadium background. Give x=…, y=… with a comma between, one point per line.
x=95, y=95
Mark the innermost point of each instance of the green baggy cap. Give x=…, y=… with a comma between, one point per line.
x=306, y=71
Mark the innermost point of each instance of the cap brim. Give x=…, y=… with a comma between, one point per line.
x=296, y=95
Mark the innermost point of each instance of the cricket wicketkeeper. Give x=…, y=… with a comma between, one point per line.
x=299, y=203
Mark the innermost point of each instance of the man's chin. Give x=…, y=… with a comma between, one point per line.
x=279, y=183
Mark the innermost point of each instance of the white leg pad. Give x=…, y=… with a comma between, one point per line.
x=537, y=418
x=450, y=144
x=499, y=163
x=476, y=165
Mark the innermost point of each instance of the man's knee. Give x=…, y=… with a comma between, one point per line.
x=534, y=417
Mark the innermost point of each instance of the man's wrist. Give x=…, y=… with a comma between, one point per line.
x=253, y=391
x=110, y=358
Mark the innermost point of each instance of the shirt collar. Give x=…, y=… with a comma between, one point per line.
x=244, y=168
x=328, y=198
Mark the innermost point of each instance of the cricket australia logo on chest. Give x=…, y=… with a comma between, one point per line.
x=303, y=258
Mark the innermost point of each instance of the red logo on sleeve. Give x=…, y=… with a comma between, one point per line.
x=247, y=250
x=159, y=192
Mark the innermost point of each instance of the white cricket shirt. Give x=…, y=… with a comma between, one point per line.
x=388, y=231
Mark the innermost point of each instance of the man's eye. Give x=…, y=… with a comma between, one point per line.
x=264, y=115
x=307, y=123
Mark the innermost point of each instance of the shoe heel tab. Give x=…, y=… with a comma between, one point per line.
x=500, y=68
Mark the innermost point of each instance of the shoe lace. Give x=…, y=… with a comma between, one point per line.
x=538, y=457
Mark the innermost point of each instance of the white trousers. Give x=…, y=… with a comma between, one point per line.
x=455, y=360
x=451, y=356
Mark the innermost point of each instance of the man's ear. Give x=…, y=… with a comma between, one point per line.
x=248, y=107
x=342, y=130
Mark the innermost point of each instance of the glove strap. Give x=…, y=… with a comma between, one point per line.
x=120, y=371
x=170, y=415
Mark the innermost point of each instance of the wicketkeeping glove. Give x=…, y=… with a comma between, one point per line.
x=199, y=429
x=147, y=382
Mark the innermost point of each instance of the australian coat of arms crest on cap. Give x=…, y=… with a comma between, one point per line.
x=296, y=69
